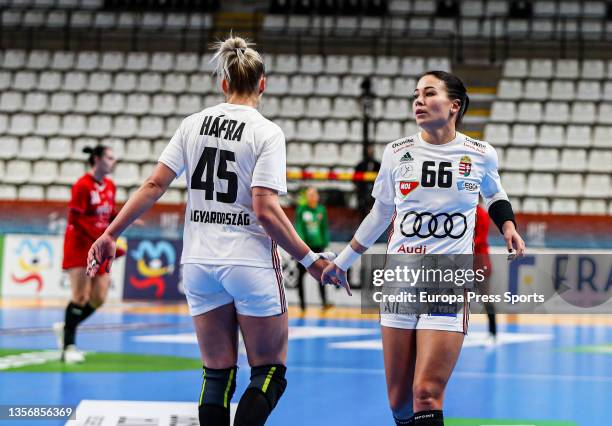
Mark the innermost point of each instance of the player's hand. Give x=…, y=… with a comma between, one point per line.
x=101, y=250
x=514, y=242
x=335, y=276
x=316, y=269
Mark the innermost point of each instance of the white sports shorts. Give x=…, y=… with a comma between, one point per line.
x=446, y=322
x=254, y=291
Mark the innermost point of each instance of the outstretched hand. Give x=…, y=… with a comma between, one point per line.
x=335, y=276
x=101, y=250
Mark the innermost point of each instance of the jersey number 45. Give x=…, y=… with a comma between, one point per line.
x=207, y=164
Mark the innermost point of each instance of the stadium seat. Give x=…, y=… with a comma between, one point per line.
x=24, y=81
x=540, y=184
x=87, y=61
x=11, y=101
x=595, y=185
x=524, y=134
x=299, y=154
x=62, y=61
x=162, y=61
x=325, y=154
x=74, y=81
x=58, y=148
x=515, y=68
x=383, y=87
x=292, y=107
x=562, y=90
x=286, y=64
x=49, y=81
x=604, y=115
x=351, y=86
x=583, y=112
x=31, y=193
x=301, y=85
x=318, y=107
x=514, y=183
x=163, y=105
x=44, y=172
x=73, y=125
x=600, y=161
x=545, y=159
x=535, y=90
x=350, y=154
x=335, y=130
x=602, y=137
x=551, y=135
x=569, y=185
x=345, y=108
x=10, y=147
x=497, y=134
x=517, y=159
x=529, y=112
x=137, y=104
x=535, y=205
x=412, y=66
x=309, y=130
x=175, y=83
x=589, y=91
x=502, y=111
x=126, y=174
x=32, y=148
x=188, y=104
x=149, y=82
x=556, y=112
x=137, y=150
x=186, y=62
x=592, y=207
x=574, y=160
x=578, y=136
x=541, y=68
x=58, y=193
x=207, y=66
x=150, y=128
x=125, y=82
x=112, y=61
x=86, y=103
x=327, y=85
x=202, y=84
x=170, y=127
x=362, y=65
x=562, y=206
x=8, y=192
x=38, y=60
x=567, y=68
x=21, y=125
x=137, y=61
x=387, y=66
x=312, y=64
x=59, y=103
x=112, y=103
x=510, y=90
x=277, y=85
x=98, y=126
x=124, y=127
x=157, y=149
x=14, y=59
x=387, y=131
x=17, y=172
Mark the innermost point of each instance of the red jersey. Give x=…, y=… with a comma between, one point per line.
x=91, y=210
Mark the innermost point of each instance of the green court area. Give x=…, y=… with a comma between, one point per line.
x=593, y=349
x=497, y=422
x=13, y=360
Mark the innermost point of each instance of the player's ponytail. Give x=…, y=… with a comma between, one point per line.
x=455, y=89
x=239, y=64
x=95, y=152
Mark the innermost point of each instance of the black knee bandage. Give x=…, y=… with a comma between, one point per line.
x=261, y=396
x=218, y=386
x=429, y=418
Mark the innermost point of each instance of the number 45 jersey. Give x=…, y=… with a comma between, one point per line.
x=225, y=150
x=435, y=191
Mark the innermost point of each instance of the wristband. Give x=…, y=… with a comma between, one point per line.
x=346, y=258
x=310, y=258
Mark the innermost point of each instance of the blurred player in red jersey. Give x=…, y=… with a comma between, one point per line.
x=483, y=261
x=91, y=209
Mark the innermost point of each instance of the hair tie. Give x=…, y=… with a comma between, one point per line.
x=242, y=49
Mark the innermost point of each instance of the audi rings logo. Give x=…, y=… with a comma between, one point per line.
x=440, y=225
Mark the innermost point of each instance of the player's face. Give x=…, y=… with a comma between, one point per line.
x=431, y=105
x=106, y=163
x=312, y=197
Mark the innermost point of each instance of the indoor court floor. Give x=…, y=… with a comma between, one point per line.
x=544, y=370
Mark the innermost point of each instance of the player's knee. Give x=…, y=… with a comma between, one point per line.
x=80, y=299
x=218, y=386
x=399, y=402
x=96, y=302
x=267, y=385
x=427, y=395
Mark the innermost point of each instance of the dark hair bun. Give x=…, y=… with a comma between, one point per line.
x=88, y=150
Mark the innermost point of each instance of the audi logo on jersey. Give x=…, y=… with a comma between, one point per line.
x=440, y=225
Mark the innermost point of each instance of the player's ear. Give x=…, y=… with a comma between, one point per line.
x=262, y=84
x=225, y=86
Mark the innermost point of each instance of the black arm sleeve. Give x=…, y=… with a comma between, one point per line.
x=501, y=211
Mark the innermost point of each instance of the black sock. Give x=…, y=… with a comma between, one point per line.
x=491, y=315
x=429, y=418
x=405, y=422
x=213, y=415
x=72, y=319
x=253, y=409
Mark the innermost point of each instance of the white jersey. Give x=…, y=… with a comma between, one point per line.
x=226, y=150
x=435, y=192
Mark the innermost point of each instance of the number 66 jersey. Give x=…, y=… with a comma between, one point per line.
x=225, y=150
x=435, y=192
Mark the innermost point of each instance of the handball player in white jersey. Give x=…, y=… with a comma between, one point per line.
x=234, y=164
x=428, y=188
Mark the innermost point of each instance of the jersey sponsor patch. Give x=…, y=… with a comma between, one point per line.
x=464, y=185
x=406, y=187
x=465, y=165
x=406, y=157
x=402, y=144
x=406, y=171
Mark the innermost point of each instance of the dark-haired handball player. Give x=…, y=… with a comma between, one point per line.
x=426, y=181
x=235, y=169
x=90, y=211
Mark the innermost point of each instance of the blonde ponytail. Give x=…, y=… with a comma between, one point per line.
x=239, y=64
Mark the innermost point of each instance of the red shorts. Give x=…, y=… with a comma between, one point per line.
x=75, y=253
